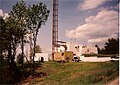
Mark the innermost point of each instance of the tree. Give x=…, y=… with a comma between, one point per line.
x=10, y=39
x=19, y=14
x=37, y=16
x=10, y=36
x=3, y=41
x=32, y=17
x=112, y=46
x=37, y=50
x=20, y=59
x=3, y=48
x=23, y=19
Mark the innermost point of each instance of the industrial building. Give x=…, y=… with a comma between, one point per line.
x=77, y=49
x=59, y=46
x=38, y=56
x=63, y=56
x=67, y=51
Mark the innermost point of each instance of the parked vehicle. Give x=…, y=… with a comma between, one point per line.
x=76, y=59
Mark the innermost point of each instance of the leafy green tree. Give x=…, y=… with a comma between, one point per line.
x=3, y=48
x=31, y=19
x=19, y=14
x=10, y=36
x=102, y=51
x=23, y=19
x=112, y=46
x=10, y=39
x=3, y=41
x=37, y=16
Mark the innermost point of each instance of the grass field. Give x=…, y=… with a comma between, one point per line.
x=82, y=73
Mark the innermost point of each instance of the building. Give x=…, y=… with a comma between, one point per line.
x=63, y=56
x=76, y=48
x=38, y=56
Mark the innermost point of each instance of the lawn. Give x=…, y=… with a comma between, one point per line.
x=72, y=73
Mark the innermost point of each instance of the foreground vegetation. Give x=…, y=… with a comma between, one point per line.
x=77, y=73
x=25, y=21
x=20, y=28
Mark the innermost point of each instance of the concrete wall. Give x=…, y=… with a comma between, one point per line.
x=94, y=59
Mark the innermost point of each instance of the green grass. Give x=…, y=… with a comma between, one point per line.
x=82, y=73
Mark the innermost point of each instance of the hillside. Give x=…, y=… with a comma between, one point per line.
x=72, y=73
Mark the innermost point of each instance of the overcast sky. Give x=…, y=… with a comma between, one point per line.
x=89, y=21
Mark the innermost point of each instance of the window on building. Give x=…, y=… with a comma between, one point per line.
x=62, y=54
x=87, y=50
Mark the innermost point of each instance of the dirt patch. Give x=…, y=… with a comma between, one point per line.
x=114, y=82
x=35, y=76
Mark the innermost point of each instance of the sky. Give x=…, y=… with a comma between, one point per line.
x=87, y=22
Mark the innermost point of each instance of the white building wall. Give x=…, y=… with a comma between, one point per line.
x=68, y=46
x=39, y=55
x=94, y=59
x=61, y=49
x=78, y=49
x=75, y=47
x=89, y=50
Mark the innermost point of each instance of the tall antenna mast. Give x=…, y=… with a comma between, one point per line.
x=55, y=28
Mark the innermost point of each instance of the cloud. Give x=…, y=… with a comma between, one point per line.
x=101, y=39
x=4, y=15
x=97, y=29
x=90, y=4
x=1, y=12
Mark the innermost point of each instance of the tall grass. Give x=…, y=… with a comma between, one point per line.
x=82, y=73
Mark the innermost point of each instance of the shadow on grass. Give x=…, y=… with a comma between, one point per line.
x=29, y=72
x=21, y=74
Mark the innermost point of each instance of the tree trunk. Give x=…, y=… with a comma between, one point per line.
x=22, y=49
x=14, y=73
x=9, y=54
x=35, y=38
x=30, y=50
x=34, y=49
